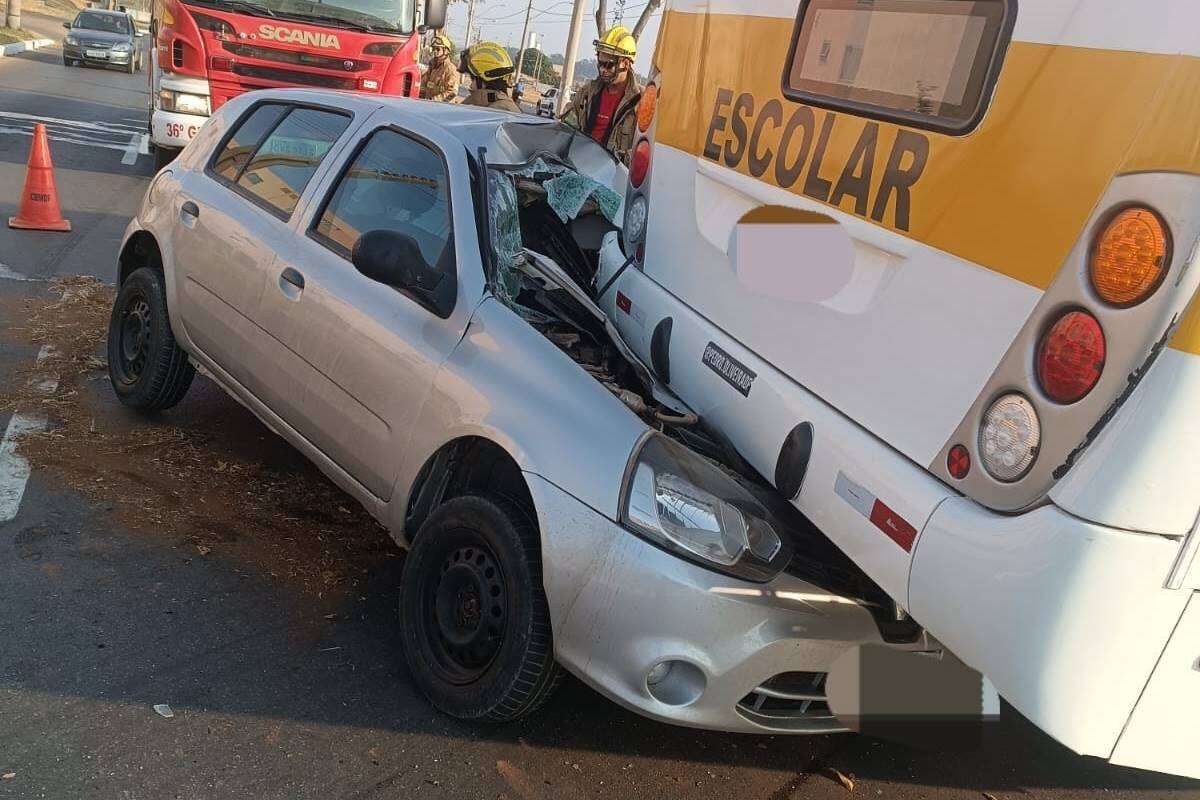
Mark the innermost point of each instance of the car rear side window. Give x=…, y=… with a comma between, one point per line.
x=926, y=63
x=282, y=165
x=395, y=183
x=245, y=139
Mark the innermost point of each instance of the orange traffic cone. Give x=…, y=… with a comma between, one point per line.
x=39, y=202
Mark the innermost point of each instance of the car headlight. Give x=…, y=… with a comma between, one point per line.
x=684, y=504
x=123, y=47
x=182, y=102
x=71, y=40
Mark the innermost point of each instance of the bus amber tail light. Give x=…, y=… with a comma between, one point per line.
x=647, y=108
x=1130, y=257
x=640, y=164
x=1070, y=357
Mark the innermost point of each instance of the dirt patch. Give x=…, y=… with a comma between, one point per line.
x=206, y=477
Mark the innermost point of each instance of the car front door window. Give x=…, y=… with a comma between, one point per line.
x=394, y=183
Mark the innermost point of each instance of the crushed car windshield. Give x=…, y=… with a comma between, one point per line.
x=390, y=16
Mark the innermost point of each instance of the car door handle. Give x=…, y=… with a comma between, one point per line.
x=293, y=277
x=190, y=209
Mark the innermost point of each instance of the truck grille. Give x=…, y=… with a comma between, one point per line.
x=298, y=78
x=293, y=57
x=793, y=702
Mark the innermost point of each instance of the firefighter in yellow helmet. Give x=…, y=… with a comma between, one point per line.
x=441, y=82
x=606, y=109
x=491, y=70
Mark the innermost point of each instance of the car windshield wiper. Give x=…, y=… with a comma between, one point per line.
x=245, y=5
x=346, y=23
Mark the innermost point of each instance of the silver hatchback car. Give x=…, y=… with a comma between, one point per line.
x=405, y=291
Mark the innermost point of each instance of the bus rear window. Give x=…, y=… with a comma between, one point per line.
x=926, y=63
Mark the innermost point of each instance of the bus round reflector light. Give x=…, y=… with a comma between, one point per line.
x=640, y=165
x=1130, y=257
x=1070, y=357
x=958, y=462
x=1009, y=438
x=635, y=218
x=647, y=108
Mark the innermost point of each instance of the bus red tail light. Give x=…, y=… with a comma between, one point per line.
x=640, y=165
x=1070, y=357
x=1130, y=257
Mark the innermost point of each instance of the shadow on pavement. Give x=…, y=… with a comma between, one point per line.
x=95, y=610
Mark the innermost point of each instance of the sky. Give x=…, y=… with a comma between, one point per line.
x=501, y=21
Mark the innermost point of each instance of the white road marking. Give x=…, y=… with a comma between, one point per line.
x=11, y=275
x=69, y=139
x=133, y=149
x=14, y=468
x=108, y=127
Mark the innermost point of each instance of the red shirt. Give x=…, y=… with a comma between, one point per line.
x=609, y=100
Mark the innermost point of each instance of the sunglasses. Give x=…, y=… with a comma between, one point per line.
x=608, y=64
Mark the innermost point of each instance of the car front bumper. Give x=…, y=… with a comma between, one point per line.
x=621, y=606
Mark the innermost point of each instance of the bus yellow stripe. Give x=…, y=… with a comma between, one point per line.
x=1013, y=196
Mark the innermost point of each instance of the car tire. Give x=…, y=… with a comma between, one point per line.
x=129, y=68
x=163, y=156
x=67, y=62
x=147, y=368
x=473, y=616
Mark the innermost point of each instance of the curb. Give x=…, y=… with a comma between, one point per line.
x=21, y=47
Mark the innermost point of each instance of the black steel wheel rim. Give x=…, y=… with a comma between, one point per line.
x=465, y=609
x=133, y=343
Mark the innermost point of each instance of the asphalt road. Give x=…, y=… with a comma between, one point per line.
x=280, y=690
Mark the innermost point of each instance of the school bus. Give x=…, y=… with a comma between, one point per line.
x=928, y=265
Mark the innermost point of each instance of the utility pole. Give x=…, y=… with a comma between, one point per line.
x=14, y=15
x=572, y=54
x=470, y=23
x=524, y=40
x=647, y=13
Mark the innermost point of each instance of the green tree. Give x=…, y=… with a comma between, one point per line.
x=538, y=66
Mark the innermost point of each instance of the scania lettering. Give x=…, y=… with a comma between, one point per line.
x=929, y=267
x=208, y=51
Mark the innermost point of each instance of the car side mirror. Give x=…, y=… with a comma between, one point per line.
x=67, y=25
x=435, y=14
x=394, y=259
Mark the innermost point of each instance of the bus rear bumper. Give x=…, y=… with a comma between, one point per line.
x=1067, y=618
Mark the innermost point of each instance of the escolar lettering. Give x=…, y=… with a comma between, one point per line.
x=801, y=154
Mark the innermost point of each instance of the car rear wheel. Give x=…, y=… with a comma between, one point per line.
x=147, y=369
x=473, y=616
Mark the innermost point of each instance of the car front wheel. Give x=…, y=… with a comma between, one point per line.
x=147, y=369
x=473, y=616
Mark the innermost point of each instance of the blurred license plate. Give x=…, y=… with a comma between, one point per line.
x=96, y=53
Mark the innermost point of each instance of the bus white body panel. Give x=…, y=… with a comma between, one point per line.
x=1068, y=592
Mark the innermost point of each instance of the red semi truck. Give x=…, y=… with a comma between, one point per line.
x=206, y=51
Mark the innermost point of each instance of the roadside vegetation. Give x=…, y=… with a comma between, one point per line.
x=10, y=35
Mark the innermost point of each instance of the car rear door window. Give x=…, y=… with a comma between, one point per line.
x=926, y=63
x=244, y=141
x=394, y=183
x=282, y=165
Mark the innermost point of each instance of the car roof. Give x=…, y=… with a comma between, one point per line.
x=108, y=12
x=510, y=138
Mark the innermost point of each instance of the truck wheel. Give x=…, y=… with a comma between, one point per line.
x=147, y=369
x=473, y=617
x=163, y=156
